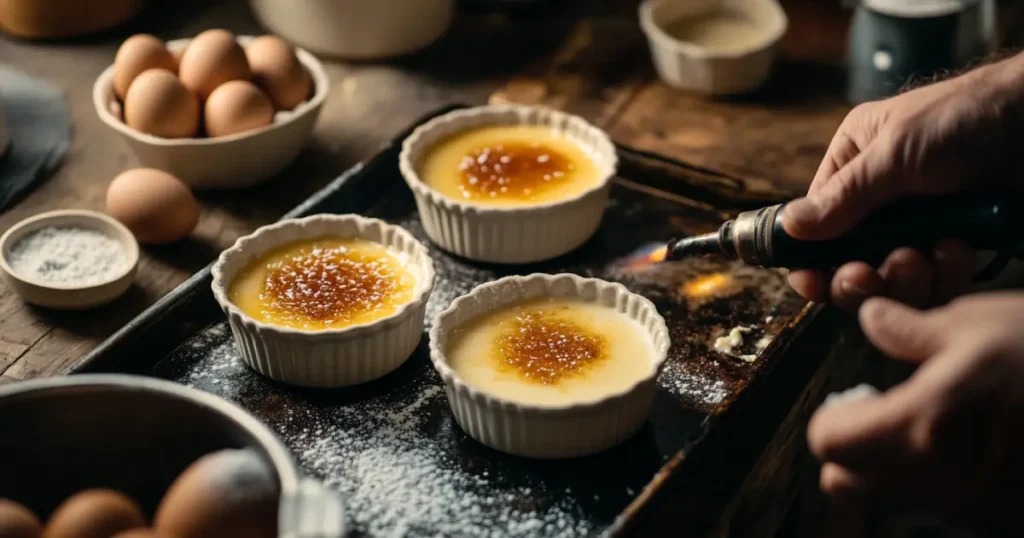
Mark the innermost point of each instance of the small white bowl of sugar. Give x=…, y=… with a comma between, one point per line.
x=69, y=259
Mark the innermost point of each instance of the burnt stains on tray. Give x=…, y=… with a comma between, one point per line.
x=392, y=446
x=395, y=451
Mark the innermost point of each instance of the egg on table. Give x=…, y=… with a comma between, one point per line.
x=94, y=513
x=137, y=54
x=236, y=107
x=277, y=71
x=16, y=521
x=225, y=494
x=156, y=206
x=211, y=59
x=158, y=104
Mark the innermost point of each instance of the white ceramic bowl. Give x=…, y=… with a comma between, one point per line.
x=238, y=160
x=357, y=29
x=688, y=66
x=519, y=234
x=549, y=431
x=69, y=296
x=329, y=357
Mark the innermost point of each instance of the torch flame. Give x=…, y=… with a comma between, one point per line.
x=645, y=257
x=658, y=255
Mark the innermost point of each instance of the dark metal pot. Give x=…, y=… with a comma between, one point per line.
x=136, y=435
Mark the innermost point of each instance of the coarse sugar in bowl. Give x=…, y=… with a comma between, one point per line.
x=69, y=259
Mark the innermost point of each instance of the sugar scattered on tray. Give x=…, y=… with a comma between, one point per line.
x=71, y=255
x=693, y=387
x=395, y=482
x=396, y=485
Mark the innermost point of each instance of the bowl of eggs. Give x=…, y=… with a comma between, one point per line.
x=121, y=456
x=217, y=110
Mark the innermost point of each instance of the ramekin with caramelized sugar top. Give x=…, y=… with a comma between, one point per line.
x=535, y=426
x=345, y=355
x=523, y=233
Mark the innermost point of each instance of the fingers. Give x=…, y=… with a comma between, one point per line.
x=955, y=263
x=857, y=188
x=908, y=277
x=863, y=434
x=838, y=481
x=811, y=285
x=854, y=283
x=900, y=331
x=841, y=150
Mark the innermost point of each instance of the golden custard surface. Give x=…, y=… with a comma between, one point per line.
x=325, y=283
x=509, y=166
x=551, y=351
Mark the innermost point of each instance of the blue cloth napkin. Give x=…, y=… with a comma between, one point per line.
x=38, y=126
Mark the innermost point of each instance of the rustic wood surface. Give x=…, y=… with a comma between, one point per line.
x=367, y=105
x=597, y=66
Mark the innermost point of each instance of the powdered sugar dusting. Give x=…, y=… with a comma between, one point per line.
x=692, y=386
x=396, y=485
x=403, y=466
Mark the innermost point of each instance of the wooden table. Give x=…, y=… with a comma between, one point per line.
x=589, y=58
x=596, y=65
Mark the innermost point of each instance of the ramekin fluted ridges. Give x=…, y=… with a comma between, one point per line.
x=549, y=431
x=509, y=234
x=330, y=357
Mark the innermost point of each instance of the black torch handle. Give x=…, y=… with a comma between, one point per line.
x=993, y=221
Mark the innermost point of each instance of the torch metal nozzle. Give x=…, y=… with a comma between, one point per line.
x=689, y=247
x=713, y=244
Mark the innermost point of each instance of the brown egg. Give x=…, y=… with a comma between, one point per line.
x=156, y=206
x=211, y=59
x=277, y=71
x=236, y=107
x=94, y=513
x=16, y=521
x=141, y=533
x=159, y=105
x=137, y=54
x=226, y=494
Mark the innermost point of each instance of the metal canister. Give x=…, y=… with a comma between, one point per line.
x=892, y=41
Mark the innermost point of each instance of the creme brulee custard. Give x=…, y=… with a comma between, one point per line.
x=551, y=351
x=325, y=283
x=511, y=165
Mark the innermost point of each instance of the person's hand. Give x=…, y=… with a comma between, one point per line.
x=951, y=438
x=937, y=139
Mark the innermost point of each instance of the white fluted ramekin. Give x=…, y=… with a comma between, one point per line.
x=549, y=431
x=509, y=234
x=330, y=357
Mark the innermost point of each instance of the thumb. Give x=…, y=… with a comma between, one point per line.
x=860, y=186
x=900, y=331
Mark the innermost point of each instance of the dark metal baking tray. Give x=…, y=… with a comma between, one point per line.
x=392, y=446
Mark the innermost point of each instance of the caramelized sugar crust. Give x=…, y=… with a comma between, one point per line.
x=324, y=283
x=545, y=347
x=509, y=165
x=513, y=170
